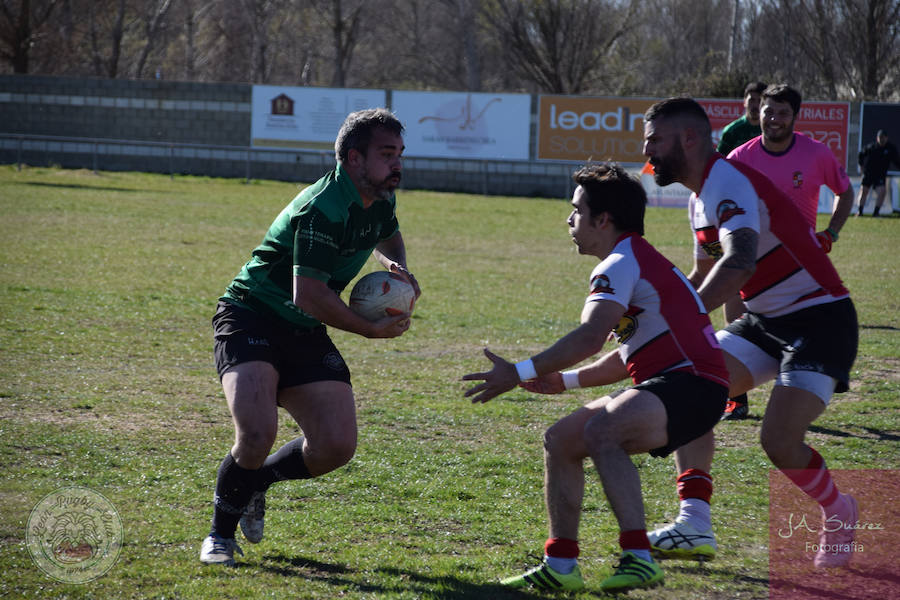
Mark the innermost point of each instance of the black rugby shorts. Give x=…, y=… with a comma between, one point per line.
x=300, y=355
x=693, y=404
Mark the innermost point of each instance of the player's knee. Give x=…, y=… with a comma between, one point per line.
x=253, y=445
x=556, y=441
x=332, y=452
x=599, y=433
x=776, y=446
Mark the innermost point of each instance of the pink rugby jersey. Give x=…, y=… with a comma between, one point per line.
x=665, y=326
x=792, y=270
x=800, y=171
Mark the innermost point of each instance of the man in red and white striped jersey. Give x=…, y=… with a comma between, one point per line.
x=667, y=346
x=799, y=329
x=799, y=166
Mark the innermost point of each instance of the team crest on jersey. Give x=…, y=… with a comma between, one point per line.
x=798, y=179
x=708, y=238
x=601, y=285
x=727, y=209
x=627, y=325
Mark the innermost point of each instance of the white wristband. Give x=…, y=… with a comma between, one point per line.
x=570, y=380
x=525, y=369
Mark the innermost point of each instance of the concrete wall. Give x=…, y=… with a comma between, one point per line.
x=204, y=129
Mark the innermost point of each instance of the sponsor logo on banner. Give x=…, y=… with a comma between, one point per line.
x=827, y=122
x=304, y=117
x=581, y=128
x=464, y=125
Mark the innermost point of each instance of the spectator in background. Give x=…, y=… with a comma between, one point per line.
x=746, y=127
x=874, y=161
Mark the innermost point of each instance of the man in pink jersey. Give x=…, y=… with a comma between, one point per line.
x=796, y=163
x=800, y=166
x=750, y=237
x=667, y=346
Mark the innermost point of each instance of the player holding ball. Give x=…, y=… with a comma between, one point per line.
x=666, y=345
x=271, y=346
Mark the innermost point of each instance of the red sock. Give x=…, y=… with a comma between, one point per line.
x=561, y=548
x=636, y=539
x=815, y=480
x=695, y=483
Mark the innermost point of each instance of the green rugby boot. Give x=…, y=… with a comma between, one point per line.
x=544, y=578
x=632, y=572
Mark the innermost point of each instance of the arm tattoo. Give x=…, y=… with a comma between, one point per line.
x=739, y=249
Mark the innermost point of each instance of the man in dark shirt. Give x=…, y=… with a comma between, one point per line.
x=874, y=161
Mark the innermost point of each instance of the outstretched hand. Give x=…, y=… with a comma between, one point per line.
x=551, y=383
x=500, y=379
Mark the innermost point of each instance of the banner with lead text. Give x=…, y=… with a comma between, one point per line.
x=581, y=128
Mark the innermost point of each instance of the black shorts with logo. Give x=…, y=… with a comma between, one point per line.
x=693, y=404
x=823, y=338
x=300, y=355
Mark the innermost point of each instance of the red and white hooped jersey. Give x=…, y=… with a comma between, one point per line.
x=665, y=326
x=792, y=270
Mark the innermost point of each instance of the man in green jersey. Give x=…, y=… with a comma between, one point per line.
x=271, y=345
x=746, y=127
x=736, y=133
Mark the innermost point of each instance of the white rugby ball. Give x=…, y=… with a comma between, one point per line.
x=382, y=294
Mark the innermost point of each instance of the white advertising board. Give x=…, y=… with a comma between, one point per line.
x=464, y=125
x=304, y=117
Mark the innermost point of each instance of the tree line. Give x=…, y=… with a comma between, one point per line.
x=828, y=49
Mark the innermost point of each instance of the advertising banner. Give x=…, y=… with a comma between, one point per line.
x=304, y=117
x=582, y=128
x=464, y=125
x=579, y=128
x=827, y=122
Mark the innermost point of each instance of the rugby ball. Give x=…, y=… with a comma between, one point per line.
x=382, y=294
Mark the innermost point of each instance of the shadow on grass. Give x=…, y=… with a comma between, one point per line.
x=839, y=584
x=884, y=327
x=433, y=586
x=704, y=569
x=82, y=186
x=878, y=433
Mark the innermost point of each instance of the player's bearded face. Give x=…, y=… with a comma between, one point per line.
x=668, y=166
x=751, y=106
x=381, y=187
x=777, y=121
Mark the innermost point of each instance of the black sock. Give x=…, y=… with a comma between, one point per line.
x=742, y=399
x=286, y=463
x=234, y=486
x=875, y=212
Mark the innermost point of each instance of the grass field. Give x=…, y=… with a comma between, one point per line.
x=107, y=285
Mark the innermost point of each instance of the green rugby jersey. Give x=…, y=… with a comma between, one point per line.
x=736, y=133
x=324, y=233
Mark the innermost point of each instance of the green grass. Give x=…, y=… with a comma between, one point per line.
x=107, y=286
